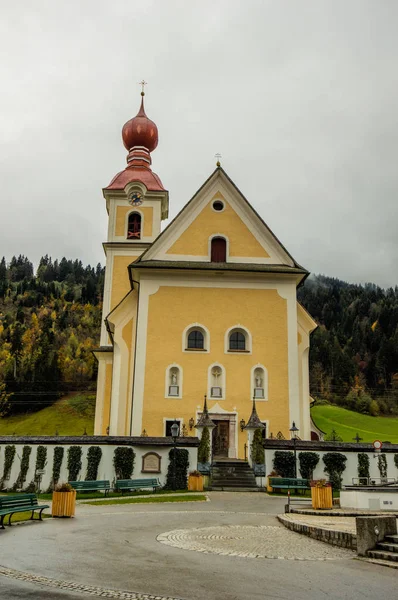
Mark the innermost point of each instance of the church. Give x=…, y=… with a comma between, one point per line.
x=205, y=307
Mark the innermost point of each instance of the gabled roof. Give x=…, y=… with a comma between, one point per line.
x=261, y=226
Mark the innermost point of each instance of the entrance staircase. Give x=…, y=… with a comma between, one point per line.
x=233, y=475
x=386, y=552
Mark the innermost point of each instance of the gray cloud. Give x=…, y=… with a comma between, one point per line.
x=299, y=97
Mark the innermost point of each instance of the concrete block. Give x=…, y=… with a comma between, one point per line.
x=371, y=530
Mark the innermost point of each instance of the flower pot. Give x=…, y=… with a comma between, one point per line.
x=195, y=483
x=64, y=504
x=322, y=497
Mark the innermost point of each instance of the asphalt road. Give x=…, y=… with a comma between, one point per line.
x=116, y=548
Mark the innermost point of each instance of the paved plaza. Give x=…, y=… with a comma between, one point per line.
x=229, y=548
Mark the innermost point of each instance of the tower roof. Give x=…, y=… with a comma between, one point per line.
x=254, y=421
x=140, y=138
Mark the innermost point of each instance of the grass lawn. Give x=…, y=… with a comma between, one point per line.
x=348, y=423
x=198, y=498
x=71, y=415
x=92, y=495
x=25, y=516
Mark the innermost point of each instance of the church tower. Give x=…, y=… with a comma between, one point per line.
x=136, y=202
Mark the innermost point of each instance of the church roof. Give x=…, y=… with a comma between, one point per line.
x=217, y=266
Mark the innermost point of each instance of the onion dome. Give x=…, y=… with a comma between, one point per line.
x=140, y=131
x=140, y=138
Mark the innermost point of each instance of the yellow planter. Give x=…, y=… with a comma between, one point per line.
x=64, y=504
x=321, y=497
x=195, y=483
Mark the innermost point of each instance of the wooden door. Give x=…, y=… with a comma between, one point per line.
x=221, y=439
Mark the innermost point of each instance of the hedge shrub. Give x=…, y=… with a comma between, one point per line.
x=94, y=456
x=308, y=461
x=396, y=460
x=181, y=469
x=284, y=463
x=363, y=466
x=257, y=449
x=382, y=465
x=335, y=467
x=204, y=446
x=9, y=455
x=26, y=452
x=74, y=462
x=123, y=461
x=57, y=463
x=41, y=457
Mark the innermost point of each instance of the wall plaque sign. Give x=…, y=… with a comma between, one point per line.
x=151, y=463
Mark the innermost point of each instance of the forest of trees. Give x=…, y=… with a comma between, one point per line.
x=354, y=350
x=50, y=321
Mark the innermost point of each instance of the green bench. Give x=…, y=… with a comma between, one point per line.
x=128, y=485
x=18, y=503
x=91, y=486
x=289, y=483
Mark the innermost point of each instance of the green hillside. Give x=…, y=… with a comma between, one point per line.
x=347, y=424
x=72, y=415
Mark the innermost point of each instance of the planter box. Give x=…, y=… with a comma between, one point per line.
x=64, y=504
x=322, y=497
x=195, y=483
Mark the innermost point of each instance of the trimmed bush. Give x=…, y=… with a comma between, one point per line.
x=335, y=467
x=363, y=466
x=26, y=452
x=123, y=461
x=41, y=457
x=94, y=456
x=74, y=462
x=284, y=463
x=181, y=469
x=9, y=455
x=382, y=465
x=396, y=460
x=57, y=463
x=308, y=461
x=204, y=446
x=257, y=449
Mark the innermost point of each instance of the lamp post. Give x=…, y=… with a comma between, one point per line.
x=175, y=430
x=293, y=435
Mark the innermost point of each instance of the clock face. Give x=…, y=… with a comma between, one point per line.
x=135, y=199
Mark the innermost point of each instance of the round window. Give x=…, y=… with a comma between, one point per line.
x=218, y=205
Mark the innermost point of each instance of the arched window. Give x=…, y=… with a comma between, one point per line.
x=196, y=340
x=218, y=249
x=134, y=226
x=237, y=341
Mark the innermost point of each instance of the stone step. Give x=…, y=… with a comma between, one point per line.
x=383, y=555
x=391, y=538
x=384, y=563
x=389, y=546
x=235, y=489
x=230, y=482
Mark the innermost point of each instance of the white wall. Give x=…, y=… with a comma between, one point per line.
x=351, y=469
x=105, y=470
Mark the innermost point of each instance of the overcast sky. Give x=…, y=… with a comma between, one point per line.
x=299, y=97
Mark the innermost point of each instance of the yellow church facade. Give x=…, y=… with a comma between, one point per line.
x=207, y=307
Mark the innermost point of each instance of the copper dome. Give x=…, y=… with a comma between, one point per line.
x=140, y=131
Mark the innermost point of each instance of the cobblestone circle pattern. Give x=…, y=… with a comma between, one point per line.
x=90, y=590
x=252, y=541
